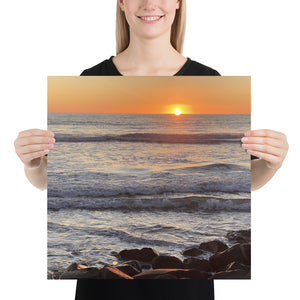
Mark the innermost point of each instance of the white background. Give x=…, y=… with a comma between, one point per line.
x=256, y=38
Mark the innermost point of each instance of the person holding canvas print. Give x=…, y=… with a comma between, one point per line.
x=150, y=35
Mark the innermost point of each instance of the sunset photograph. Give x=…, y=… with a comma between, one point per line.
x=147, y=178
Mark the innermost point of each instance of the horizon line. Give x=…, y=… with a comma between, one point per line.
x=53, y=112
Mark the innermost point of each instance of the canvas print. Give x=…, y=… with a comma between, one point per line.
x=148, y=179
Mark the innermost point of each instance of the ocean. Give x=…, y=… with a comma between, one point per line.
x=123, y=181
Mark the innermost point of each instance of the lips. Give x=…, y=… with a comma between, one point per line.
x=150, y=19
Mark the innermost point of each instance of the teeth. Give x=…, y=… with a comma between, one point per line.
x=150, y=18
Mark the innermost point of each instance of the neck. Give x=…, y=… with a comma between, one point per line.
x=147, y=54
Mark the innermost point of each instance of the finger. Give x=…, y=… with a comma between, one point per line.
x=263, y=148
x=263, y=141
x=38, y=132
x=27, y=158
x=272, y=159
x=29, y=140
x=265, y=133
x=34, y=148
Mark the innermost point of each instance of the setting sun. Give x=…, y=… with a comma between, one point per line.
x=175, y=95
x=177, y=111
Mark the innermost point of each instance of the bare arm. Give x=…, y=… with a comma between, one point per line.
x=271, y=147
x=260, y=174
x=31, y=147
x=38, y=175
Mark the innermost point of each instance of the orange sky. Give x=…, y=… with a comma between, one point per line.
x=149, y=94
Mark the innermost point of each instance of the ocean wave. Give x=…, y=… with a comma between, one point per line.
x=212, y=167
x=149, y=189
x=213, y=138
x=111, y=232
x=187, y=203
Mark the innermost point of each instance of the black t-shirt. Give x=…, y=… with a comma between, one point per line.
x=190, y=68
x=145, y=289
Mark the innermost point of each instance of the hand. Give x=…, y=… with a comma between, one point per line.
x=269, y=145
x=31, y=145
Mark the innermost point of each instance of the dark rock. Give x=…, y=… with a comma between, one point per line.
x=128, y=269
x=146, y=266
x=53, y=274
x=232, y=274
x=237, y=266
x=114, y=253
x=192, y=252
x=239, y=236
x=107, y=272
x=213, y=246
x=110, y=272
x=190, y=273
x=75, y=266
x=198, y=263
x=167, y=262
x=135, y=263
x=165, y=276
x=86, y=273
x=237, y=253
x=178, y=273
x=144, y=254
x=76, y=270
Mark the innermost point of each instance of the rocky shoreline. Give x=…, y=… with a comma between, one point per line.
x=224, y=263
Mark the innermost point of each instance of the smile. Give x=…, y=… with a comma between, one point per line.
x=150, y=19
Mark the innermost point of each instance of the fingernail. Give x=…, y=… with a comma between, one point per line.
x=247, y=133
x=244, y=139
x=46, y=151
x=245, y=146
x=50, y=133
